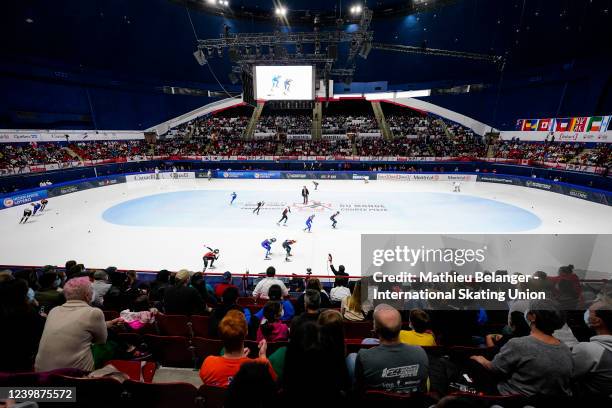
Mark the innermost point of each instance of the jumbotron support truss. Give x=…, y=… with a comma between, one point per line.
x=435, y=51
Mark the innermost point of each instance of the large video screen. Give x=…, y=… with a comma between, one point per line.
x=284, y=82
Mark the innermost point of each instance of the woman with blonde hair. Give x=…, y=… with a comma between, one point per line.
x=353, y=308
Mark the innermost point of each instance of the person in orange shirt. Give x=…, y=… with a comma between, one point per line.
x=219, y=371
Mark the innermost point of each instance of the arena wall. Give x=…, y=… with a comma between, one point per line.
x=584, y=193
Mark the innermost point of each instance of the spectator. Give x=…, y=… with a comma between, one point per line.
x=228, y=302
x=311, y=359
x=372, y=365
x=227, y=282
x=20, y=325
x=48, y=296
x=159, y=286
x=140, y=315
x=100, y=287
x=114, y=299
x=253, y=386
x=418, y=336
x=181, y=298
x=312, y=302
x=352, y=308
x=593, y=359
x=199, y=283
x=332, y=341
x=537, y=364
x=275, y=294
x=71, y=329
x=339, y=272
x=314, y=284
x=263, y=286
x=518, y=328
x=220, y=370
x=339, y=292
x=272, y=329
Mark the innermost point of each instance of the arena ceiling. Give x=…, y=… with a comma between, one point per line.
x=155, y=39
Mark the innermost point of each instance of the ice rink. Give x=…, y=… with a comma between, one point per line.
x=150, y=225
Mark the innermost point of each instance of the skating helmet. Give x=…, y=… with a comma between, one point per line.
x=272, y=239
x=216, y=251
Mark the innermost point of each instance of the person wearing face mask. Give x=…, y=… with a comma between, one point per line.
x=71, y=329
x=538, y=364
x=48, y=296
x=593, y=359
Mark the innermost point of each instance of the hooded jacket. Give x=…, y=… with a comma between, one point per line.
x=593, y=365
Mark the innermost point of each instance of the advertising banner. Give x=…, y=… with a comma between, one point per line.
x=560, y=188
x=425, y=177
x=23, y=198
x=249, y=174
x=181, y=175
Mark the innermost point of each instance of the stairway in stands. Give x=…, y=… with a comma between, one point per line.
x=317, y=120
x=250, y=129
x=74, y=152
x=380, y=119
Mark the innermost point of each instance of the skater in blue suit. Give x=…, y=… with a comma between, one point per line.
x=36, y=207
x=234, y=195
x=309, y=223
x=267, y=244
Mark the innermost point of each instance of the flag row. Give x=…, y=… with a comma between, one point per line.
x=577, y=124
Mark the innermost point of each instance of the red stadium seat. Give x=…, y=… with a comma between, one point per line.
x=358, y=330
x=212, y=397
x=136, y=370
x=31, y=379
x=173, y=351
x=92, y=392
x=199, y=325
x=206, y=347
x=161, y=395
x=174, y=325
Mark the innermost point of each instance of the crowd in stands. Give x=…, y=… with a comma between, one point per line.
x=112, y=149
x=410, y=125
x=600, y=156
x=323, y=147
x=294, y=124
x=414, y=135
x=562, y=346
x=25, y=154
x=349, y=124
x=425, y=146
x=225, y=124
x=538, y=151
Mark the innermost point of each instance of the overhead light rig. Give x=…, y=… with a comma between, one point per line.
x=248, y=49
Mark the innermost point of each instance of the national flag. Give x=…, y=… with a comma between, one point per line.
x=530, y=125
x=544, y=125
x=594, y=124
x=563, y=124
x=579, y=124
x=519, y=124
x=605, y=124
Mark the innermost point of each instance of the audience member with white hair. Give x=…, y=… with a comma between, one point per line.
x=71, y=329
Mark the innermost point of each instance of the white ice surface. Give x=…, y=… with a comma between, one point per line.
x=73, y=227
